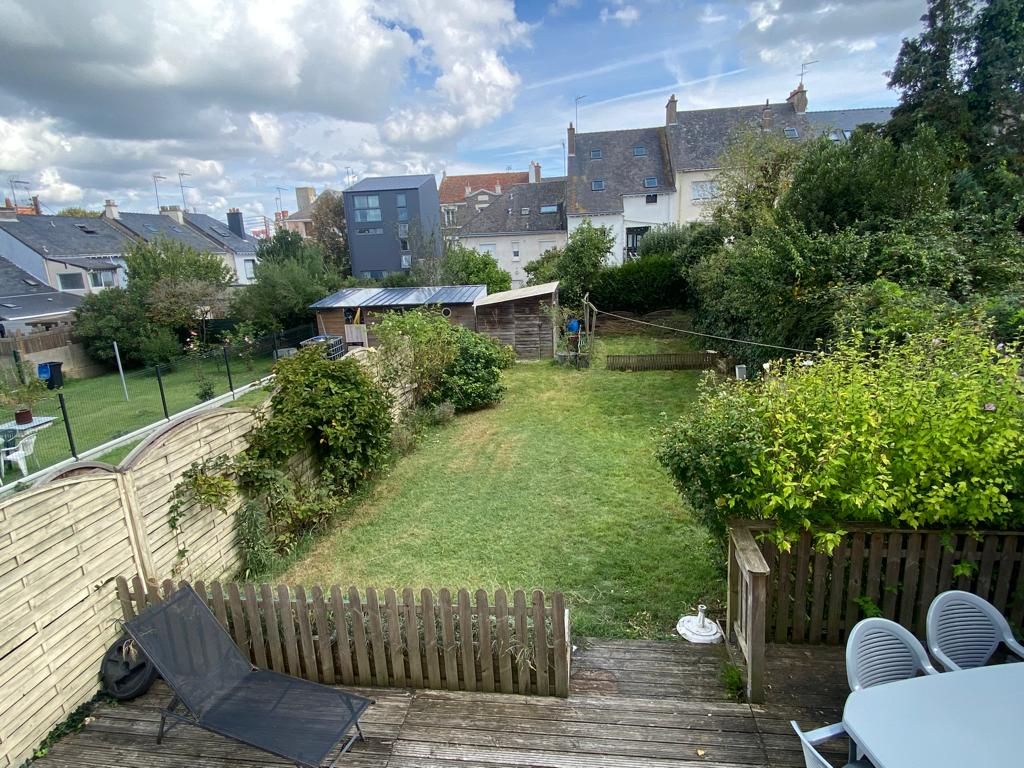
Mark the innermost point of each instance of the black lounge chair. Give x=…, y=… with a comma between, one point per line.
x=216, y=688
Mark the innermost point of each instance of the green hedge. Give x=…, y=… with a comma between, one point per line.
x=929, y=433
x=642, y=285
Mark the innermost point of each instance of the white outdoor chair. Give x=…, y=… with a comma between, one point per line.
x=19, y=454
x=964, y=631
x=881, y=651
x=811, y=739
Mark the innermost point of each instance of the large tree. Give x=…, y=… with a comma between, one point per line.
x=75, y=210
x=329, y=230
x=285, y=244
x=280, y=295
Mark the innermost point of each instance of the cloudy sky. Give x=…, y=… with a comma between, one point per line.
x=250, y=95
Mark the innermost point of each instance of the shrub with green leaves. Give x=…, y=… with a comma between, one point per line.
x=642, y=285
x=472, y=379
x=927, y=433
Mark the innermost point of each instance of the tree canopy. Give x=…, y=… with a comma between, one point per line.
x=465, y=266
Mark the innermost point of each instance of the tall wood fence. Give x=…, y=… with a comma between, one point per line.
x=668, y=361
x=418, y=639
x=808, y=596
x=63, y=543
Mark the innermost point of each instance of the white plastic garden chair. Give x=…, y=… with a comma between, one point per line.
x=964, y=631
x=19, y=454
x=881, y=651
x=811, y=739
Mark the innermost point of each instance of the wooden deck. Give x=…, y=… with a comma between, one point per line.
x=632, y=704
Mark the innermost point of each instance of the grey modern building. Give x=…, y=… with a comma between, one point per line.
x=391, y=221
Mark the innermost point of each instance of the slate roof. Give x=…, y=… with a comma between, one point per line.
x=505, y=214
x=219, y=232
x=303, y=214
x=453, y=188
x=386, y=183
x=622, y=172
x=96, y=263
x=825, y=122
x=402, y=297
x=28, y=296
x=67, y=235
x=698, y=139
x=150, y=226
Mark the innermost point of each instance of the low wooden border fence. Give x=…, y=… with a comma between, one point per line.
x=667, y=361
x=390, y=639
x=806, y=596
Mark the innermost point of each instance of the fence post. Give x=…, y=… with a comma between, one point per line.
x=276, y=352
x=17, y=366
x=163, y=397
x=67, y=424
x=755, y=637
x=227, y=367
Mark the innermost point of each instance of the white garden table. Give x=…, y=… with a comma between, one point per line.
x=951, y=720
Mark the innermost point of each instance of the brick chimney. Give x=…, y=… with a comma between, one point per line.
x=36, y=206
x=534, y=172
x=767, y=118
x=671, y=115
x=798, y=98
x=110, y=210
x=235, y=222
x=570, y=141
x=173, y=212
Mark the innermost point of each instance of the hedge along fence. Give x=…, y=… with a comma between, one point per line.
x=808, y=596
x=415, y=640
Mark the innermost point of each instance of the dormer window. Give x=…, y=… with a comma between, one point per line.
x=597, y=185
x=524, y=211
x=650, y=182
x=595, y=154
x=639, y=151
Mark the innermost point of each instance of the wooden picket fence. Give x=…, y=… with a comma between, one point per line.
x=669, y=361
x=412, y=639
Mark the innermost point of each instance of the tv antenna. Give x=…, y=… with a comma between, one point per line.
x=804, y=67
x=181, y=175
x=156, y=189
x=14, y=191
x=280, y=198
x=578, y=99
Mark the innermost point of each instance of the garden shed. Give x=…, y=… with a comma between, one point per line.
x=352, y=312
x=522, y=318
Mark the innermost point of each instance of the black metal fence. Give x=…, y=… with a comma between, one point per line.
x=87, y=413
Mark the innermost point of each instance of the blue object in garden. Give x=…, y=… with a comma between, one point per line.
x=43, y=371
x=573, y=326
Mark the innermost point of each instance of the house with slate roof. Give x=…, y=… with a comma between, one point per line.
x=631, y=180
x=519, y=226
x=463, y=196
x=27, y=303
x=73, y=254
x=241, y=247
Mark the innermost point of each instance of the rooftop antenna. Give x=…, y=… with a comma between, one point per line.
x=279, y=198
x=565, y=160
x=182, y=174
x=156, y=189
x=14, y=192
x=578, y=99
x=804, y=67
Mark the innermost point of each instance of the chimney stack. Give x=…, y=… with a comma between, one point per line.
x=173, y=212
x=36, y=206
x=235, y=222
x=110, y=210
x=798, y=98
x=497, y=187
x=570, y=143
x=766, y=117
x=304, y=197
x=534, y=172
x=671, y=115
x=7, y=213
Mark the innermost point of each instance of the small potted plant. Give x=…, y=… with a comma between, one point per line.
x=21, y=393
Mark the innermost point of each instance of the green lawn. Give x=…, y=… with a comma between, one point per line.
x=98, y=411
x=555, y=488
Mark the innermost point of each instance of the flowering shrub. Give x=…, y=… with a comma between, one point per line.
x=927, y=433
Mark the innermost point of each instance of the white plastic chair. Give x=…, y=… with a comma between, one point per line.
x=811, y=739
x=881, y=651
x=964, y=631
x=20, y=453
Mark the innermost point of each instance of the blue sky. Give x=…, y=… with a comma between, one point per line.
x=248, y=95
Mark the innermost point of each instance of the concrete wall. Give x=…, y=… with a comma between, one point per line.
x=531, y=246
x=77, y=364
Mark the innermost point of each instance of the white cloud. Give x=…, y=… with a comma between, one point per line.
x=625, y=15
x=559, y=6
x=55, y=190
x=709, y=16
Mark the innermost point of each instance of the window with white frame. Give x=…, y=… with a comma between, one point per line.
x=595, y=154
x=104, y=279
x=524, y=211
x=546, y=245
x=249, y=265
x=597, y=185
x=704, y=190
x=71, y=281
x=488, y=248
x=406, y=260
x=515, y=251
x=449, y=216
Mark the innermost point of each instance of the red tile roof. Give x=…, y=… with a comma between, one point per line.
x=453, y=188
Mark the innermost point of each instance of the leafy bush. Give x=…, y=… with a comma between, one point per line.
x=576, y=266
x=664, y=240
x=158, y=347
x=465, y=266
x=642, y=285
x=414, y=349
x=472, y=379
x=114, y=315
x=927, y=433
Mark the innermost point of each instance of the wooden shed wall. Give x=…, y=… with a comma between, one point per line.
x=332, y=321
x=525, y=324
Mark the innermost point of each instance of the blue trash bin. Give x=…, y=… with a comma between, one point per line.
x=43, y=371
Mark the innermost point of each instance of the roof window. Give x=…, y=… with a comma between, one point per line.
x=150, y=228
x=549, y=209
x=650, y=182
x=597, y=185
x=791, y=133
x=524, y=211
x=639, y=151
x=595, y=154
x=85, y=228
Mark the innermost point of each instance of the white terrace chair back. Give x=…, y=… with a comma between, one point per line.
x=964, y=631
x=19, y=454
x=881, y=651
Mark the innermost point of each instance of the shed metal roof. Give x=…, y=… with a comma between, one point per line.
x=526, y=292
x=402, y=297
